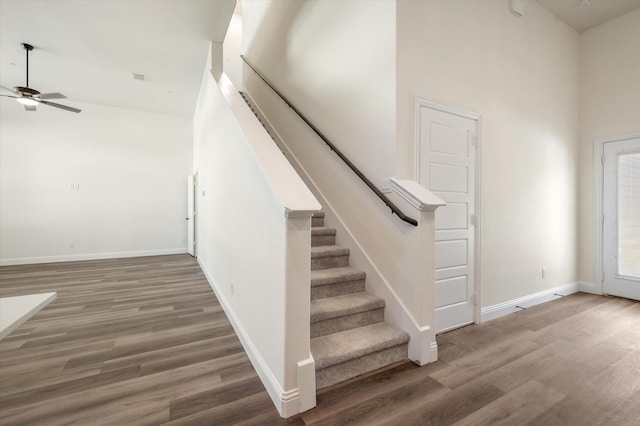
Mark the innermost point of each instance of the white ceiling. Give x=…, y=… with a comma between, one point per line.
x=88, y=49
x=585, y=14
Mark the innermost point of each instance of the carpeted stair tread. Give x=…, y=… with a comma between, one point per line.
x=336, y=275
x=339, y=306
x=322, y=236
x=328, y=251
x=336, y=348
x=317, y=220
x=322, y=230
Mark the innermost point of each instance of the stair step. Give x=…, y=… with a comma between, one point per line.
x=325, y=257
x=317, y=219
x=341, y=356
x=336, y=282
x=340, y=313
x=321, y=236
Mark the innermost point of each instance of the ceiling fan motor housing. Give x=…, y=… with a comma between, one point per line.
x=26, y=91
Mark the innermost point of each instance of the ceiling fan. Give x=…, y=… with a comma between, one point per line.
x=30, y=98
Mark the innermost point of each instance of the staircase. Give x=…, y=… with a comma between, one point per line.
x=348, y=333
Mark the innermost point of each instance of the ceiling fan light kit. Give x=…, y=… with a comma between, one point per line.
x=30, y=98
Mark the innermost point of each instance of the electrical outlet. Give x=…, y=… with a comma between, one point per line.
x=72, y=244
x=544, y=272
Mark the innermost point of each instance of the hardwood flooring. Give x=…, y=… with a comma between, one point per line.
x=144, y=341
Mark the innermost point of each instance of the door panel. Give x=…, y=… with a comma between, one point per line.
x=452, y=216
x=448, y=140
x=449, y=178
x=452, y=291
x=621, y=224
x=450, y=254
x=447, y=168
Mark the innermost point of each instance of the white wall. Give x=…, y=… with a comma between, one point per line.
x=335, y=62
x=233, y=48
x=254, y=241
x=130, y=169
x=521, y=74
x=610, y=106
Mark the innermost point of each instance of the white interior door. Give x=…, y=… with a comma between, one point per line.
x=191, y=215
x=447, y=167
x=621, y=221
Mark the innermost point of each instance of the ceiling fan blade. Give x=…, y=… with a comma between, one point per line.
x=6, y=88
x=51, y=96
x=9, y=96
x=30, y=107
x=64, y=107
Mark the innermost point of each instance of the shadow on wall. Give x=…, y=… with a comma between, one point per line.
x=336, y=62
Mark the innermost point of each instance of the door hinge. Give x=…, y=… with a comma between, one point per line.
x=475, y=299
x=602, y=219
x=474, y=220
x=602, y=158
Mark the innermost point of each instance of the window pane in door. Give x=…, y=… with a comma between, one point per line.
x=629, y=215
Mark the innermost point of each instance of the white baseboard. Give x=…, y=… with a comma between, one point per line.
x=89, y=256
x=505, y=308
x=287, y=403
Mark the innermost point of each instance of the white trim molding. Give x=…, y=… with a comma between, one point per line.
x=598, y=177
x=90, y=256
x=477, y=117
x=287, y=403
x=415, y=194
x=510, y=306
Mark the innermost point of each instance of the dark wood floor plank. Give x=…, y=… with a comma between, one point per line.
x=450, y=408
x=515, y=408
x=144, y=341
x=224, y=394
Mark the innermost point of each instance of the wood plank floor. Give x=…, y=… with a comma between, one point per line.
x=144, y=341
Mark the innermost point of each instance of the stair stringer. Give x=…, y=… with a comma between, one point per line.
x=422, y=347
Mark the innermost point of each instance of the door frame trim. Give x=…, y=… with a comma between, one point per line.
x=598, y=178
x=477, y=117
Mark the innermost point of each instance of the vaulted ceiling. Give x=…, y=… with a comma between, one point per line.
x=585, y=14
x=89, y=49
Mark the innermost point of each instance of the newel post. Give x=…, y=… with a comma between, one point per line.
x=423, y=348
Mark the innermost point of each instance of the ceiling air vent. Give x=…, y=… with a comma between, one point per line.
x=139, y=77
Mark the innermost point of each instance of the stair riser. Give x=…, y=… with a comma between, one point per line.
x=323, y=240
x=317, y=221
x=327, y=262
x=347, y=322
x=347, y=370
x=337, y=289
